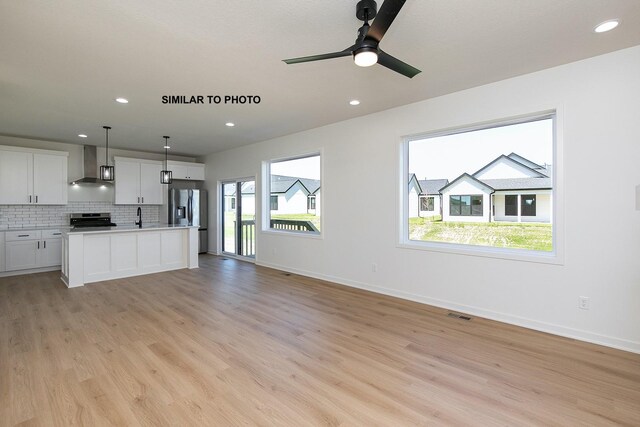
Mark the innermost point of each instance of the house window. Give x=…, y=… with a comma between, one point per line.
x=311, y=202
x=233, y=203
x=528, y=205
x=293, y=189
x=507, y=165
x=510, y=205
x=465, y=205
x=426, y=204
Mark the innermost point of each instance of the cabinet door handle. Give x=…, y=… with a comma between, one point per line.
x=45, y=244
x=38, y=244
x=36, y=199
x=29, y=198
x=138, y=199
x=57, y=234
x=143, y=199
x=23, y=235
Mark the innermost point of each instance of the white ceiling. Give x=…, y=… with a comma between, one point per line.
x=63, y=62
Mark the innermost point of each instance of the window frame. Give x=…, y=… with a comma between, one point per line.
x=266, y=192
x=556, y=255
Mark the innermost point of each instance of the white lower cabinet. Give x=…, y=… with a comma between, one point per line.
x=115, y=255
x=32, y=249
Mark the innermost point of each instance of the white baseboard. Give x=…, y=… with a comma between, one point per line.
x=29, y=271
x=550, y=328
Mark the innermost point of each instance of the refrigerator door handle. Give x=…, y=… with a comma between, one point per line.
x=189, y=212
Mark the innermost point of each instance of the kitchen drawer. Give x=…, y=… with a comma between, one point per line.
x=51, y=234
x=12, y=236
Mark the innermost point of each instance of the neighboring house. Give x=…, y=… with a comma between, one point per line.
x=289, y=195
x=510, y=188
x=430, y=201
x=248, y=199
x=293, y=195
x=414, y=196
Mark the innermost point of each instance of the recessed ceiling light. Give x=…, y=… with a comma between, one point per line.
x=230, y=124
x=354, y=102
x=82, y=135
x=607, y=26
x=122, y=100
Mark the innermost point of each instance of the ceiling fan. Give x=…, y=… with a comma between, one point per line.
x=366, y=51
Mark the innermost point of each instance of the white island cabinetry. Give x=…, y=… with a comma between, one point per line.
x=95, y=255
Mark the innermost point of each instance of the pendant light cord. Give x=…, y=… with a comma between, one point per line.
x=106, y=151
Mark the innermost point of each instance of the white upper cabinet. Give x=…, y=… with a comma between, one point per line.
x=33, y=177
x=138, y=182
x=50, y=179
x=186, y=170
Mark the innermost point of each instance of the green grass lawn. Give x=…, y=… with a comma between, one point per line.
x=496, y=234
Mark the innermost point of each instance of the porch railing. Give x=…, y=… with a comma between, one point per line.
x=293, y=225
x=248, y=247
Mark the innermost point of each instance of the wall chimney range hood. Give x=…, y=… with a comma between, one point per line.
x=90, y=167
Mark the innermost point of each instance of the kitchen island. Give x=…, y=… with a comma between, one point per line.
x=96, y=254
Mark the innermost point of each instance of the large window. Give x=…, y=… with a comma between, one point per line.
x=294, y=192
x=528, y=205
x=495, y=185
x=426, y=204
x=510, y=205
x=465, y=205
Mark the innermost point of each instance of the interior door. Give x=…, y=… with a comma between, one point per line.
x=238, y=218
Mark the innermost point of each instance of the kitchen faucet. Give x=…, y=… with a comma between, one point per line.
x=139, y=221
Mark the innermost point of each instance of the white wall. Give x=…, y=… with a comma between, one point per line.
x=598, y=103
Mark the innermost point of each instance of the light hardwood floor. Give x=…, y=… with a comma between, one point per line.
x=235, y=344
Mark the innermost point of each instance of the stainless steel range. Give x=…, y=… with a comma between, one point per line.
x=90, y=220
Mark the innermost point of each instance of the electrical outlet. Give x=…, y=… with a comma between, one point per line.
x=583, y=303
x=374, y=267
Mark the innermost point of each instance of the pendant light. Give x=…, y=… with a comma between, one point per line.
x=166, y=176
x=107, y=173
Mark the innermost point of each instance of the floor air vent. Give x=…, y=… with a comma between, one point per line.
x=459, y=316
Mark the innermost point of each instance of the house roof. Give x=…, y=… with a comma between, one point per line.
x=432, y=186
x=466, y=175
x=526, y=162
x=519, y=183
x=282, y=183
x=513, y=160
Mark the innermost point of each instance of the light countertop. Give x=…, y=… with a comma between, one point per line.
x=126, y=228
x=35, y=228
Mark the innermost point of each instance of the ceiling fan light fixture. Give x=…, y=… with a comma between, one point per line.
x=365, y=57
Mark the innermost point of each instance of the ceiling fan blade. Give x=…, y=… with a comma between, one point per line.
x=346, y=52
x=384, y=18
x=396, y=65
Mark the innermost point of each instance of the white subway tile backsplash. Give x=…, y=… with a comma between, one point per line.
x=34, y=215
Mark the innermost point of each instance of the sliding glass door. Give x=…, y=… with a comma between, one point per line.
x=239, y=218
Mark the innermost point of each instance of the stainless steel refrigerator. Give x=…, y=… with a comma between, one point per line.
x=189, y=207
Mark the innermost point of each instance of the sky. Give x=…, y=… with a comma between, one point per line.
x=452, y=155
x=306, y=167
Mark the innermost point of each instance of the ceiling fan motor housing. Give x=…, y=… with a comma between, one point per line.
x=366, y=10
